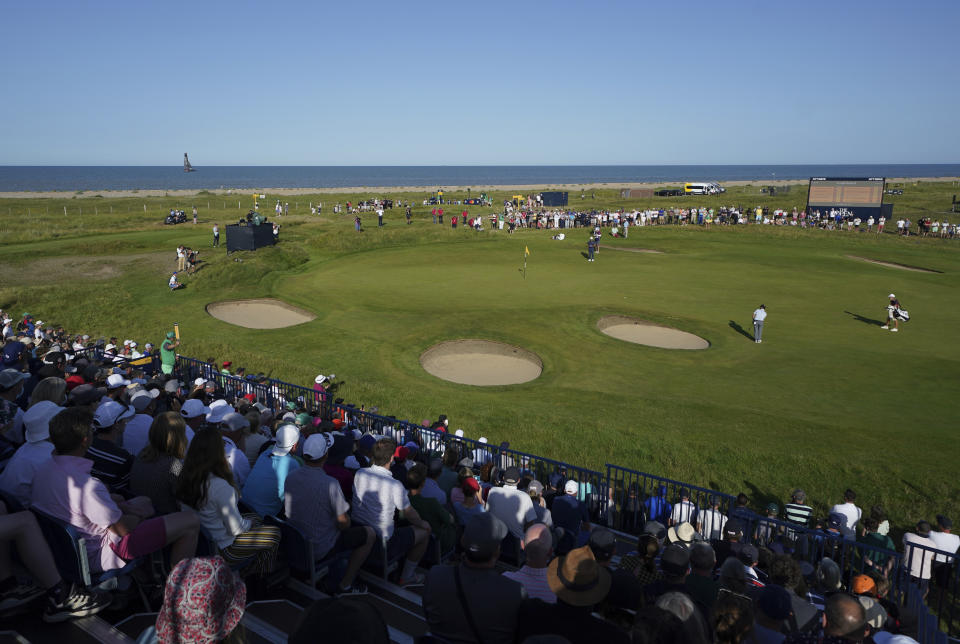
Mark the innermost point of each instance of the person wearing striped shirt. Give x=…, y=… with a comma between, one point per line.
x=796, y=511
x=538, y=548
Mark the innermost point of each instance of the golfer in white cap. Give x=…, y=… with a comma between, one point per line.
x=892, y=308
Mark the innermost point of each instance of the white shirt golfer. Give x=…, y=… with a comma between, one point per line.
x=758, y=317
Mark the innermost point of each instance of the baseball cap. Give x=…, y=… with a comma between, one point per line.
x=675, y=560
x=511, y=476
x=655, y=529
x=774, y=602
x=287, y=437
x=571, y=487
x=193, y=408
x=483, y=534
x=367, y=441
x=836, y=520
x=863, y=584
x=773, y=507
x=10, y=377
x=235, y=422
x=85, y=394
x=749, y=554
x=535, y=488
x=115, y=381
x=143, y=398
x=36, y=421
x=892, y=295
x=401, y=453
x=109, y=413
x=317, y=445
x=171, y=386
x=733, y=529
x=470, y=483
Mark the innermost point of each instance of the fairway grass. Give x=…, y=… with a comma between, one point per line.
x=828, y=401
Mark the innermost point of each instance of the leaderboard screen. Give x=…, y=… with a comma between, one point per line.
x=848, y=193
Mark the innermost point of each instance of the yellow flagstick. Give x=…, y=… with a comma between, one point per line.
x=526, y=253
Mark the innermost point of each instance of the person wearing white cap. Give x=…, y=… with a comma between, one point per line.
x=17, y=478
x=136, y=433
x=264, y=488
x=116, y=384
x=893, y=312
x=111, y=463
x=232, y=428
x=481, y=455
x=195, y=413
x=571, y=514
x=314, y=503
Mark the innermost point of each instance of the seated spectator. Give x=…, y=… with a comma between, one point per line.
x=733, y=618
x=203, y=602
x=674, y=568
x=654, y=625
x=732, y=576
x=314, y=503
x=537, y=545
x=431, y=489
x=683, y=534
x=844, y=620
x=11, y=416
x=535, y=490
x=828, y=579
x=643, y=562
x=919, y=560
x=447, y=479
x=712, y=520
x=263, y=490
x=363, y=455
x=156, y=469
x=63, y=600
x=773, y=609
x=510, y=505
x=749, y=556
x=254, y=438
x=450, y=598
x=850, y=513
x=465, y=472
x=692, y=621
x=700, y=584
x=206, y=485
x=870, y=539
x=376, y=497
x=341, y=619
x=18, y=476
x=785, y=571
x=571, y=515
x=685, y=511
x=52, y=389
x=471, y=505
x=136, y=434
x=442, y=525
x=580, y=584
x=194, y=412
x=625, y=591
x=342, y=448
x=111, y=463
x=233, y=428
x=116, y=530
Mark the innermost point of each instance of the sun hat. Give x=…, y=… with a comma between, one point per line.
x=320, y=379
x=570, y=487
x=317, y=445
x=483, y=534
x=110, y=413
x=36, y=421
x=683, y=534
x=193, y=408
x=287, y=437
x=203, y=601
x=577, y=578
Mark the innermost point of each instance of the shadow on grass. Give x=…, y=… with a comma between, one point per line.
x=860, y=318
x=585, y=255
x=739, y=329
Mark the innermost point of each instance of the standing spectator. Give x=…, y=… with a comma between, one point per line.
x=111, y=463
x=314, y=503
x=18, y=477
x=216, y=235
x=712, y=520
x=538, y=547
x=946, y=541
x=168, y=352
x=570, y=514
x=194, y=215
x=157, y=467
x=206, y=485
x=658, y=508
x=544, y=515
x=797, y=512
x=457, y=616
x=510, y=505
x=918, y=559
x=115, y=532
x=758, y=317
x=850, y=512
x=685, y=511
x=376, y=497
x=263, y=490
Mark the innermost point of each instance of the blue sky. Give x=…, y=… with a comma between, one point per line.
x=451, y=83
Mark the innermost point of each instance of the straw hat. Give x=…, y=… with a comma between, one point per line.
x=578, y=579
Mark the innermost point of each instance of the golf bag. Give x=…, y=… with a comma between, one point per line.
x=901, y=314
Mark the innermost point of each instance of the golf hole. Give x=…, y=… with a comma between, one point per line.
x=652, y=335
x=259, y=314
x=481, y=362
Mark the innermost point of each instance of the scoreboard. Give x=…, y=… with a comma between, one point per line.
x=860, y=196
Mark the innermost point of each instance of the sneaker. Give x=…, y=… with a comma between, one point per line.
x=884, y=327
x=79, y=603
x=18, y=596
x=416, y=580
x=357, y=588
x=894, y=330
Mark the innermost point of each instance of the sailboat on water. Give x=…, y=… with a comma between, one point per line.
x=186, y=164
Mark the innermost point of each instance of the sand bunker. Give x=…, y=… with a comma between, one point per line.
x=481, y=362
x=643, y=332
x=902, y=267
x=631, y=250
x=259, y=314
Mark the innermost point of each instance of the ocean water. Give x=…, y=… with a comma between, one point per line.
x=71, y=178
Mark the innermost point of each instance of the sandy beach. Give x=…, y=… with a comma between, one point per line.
x=419, y=190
